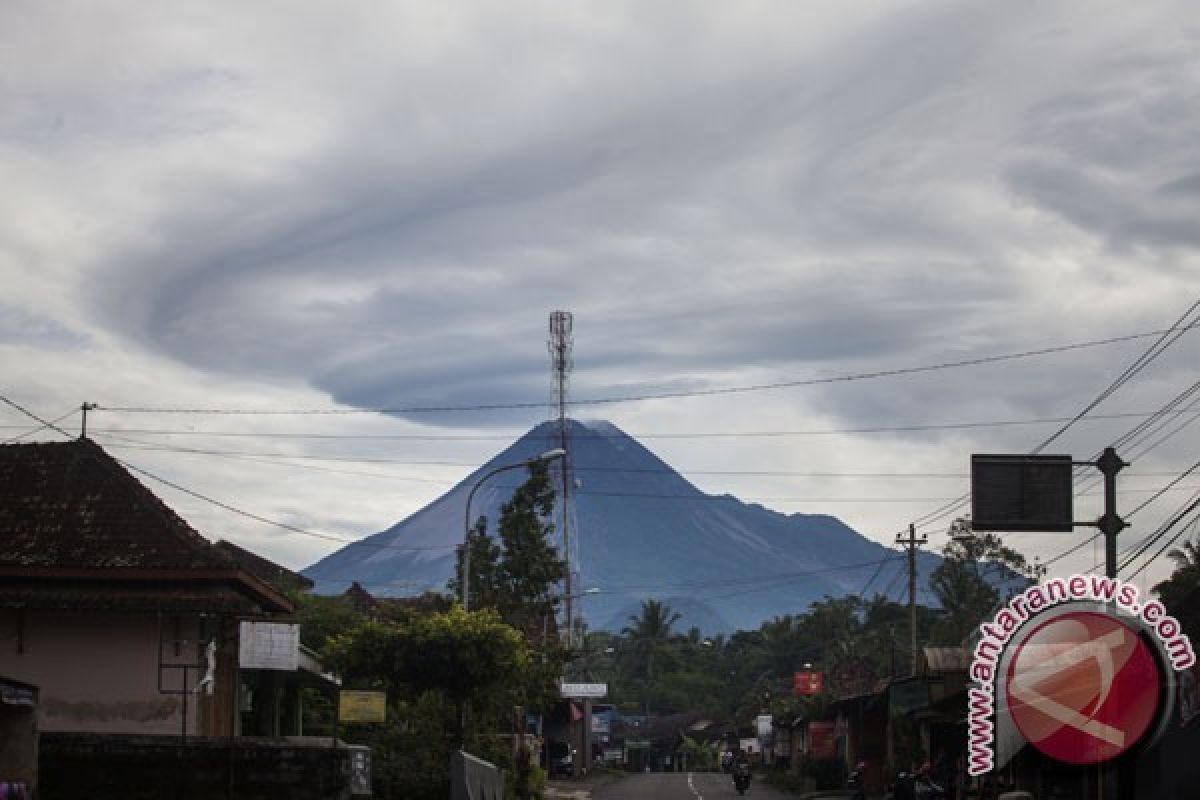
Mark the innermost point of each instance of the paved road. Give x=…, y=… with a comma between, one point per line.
x=684, y=786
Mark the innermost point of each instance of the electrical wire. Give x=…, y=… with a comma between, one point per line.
x=1163, y=549
x=44, y=426
x=1149, y=541
x=767, y=434
x=1166, y=339
x=659, y=395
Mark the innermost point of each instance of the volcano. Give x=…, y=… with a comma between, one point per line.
x=639, y=530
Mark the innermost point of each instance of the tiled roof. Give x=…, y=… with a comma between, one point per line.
x=166, y=597
x=71, y=505
x=77, y=531
x=264, y=569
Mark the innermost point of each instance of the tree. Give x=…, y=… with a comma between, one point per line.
x=466, y=657
x=518, y=573
x=1180, y=593
x=966, y=581
x=648, y=636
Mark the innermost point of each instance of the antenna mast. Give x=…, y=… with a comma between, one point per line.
x=561, y=342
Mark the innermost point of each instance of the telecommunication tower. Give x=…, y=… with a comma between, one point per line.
x=560, y=345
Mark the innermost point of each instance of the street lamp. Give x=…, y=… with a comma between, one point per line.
x=549, y=455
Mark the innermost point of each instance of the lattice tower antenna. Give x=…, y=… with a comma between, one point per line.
x=560, y=345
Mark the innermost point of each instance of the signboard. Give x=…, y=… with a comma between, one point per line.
x=762, y=725
x=269, y=645
x=362, y=706
x=808, y=682
x=1021, y=493
x=821, y=742
x=582, y=690
x=1080, y=668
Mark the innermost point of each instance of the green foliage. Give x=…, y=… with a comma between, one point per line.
x=518, y=573
x=321, y=618
x=963, y=587
x=460, y=654
x=1179, y=593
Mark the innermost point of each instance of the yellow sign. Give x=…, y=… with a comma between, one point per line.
x=362, y=706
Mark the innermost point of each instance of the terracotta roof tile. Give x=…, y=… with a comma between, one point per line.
x=71, y=505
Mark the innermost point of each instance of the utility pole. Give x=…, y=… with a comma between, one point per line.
x=86, y=407
x=911, y=544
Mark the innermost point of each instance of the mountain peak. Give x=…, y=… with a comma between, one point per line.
x=638, y=530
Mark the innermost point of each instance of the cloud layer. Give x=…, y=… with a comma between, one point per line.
x=295, y=207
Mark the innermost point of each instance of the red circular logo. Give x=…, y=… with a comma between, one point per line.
x=1083, y=687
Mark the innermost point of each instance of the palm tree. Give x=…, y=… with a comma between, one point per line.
x=1180, y=591
x=1187, y=557
x=649, y=633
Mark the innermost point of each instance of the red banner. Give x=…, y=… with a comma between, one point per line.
x=808, y=682
x=821, y=742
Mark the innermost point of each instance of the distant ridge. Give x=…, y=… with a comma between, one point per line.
x=643, y=532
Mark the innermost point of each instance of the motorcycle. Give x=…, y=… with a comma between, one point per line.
x=855, y=783
x=741, y=778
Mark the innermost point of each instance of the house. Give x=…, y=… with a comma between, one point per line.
x=126, y=618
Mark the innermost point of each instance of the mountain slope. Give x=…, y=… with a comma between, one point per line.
x=642, y=531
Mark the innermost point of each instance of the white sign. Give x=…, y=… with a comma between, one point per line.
x=269, y=645
x=579, y=690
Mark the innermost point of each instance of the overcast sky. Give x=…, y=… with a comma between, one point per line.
x=285, y=206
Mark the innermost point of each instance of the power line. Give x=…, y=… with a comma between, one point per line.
x=1166, y=488
x=45, y=423
x=1166, y=339
x=1169, y=543
x=52, y=424
x=265, y=520
x=766, y=434
x=653, y=395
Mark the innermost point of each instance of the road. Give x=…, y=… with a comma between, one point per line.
x=684, y=786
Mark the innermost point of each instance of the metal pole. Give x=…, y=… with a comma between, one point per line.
x=1111, y=523
x=466, y=574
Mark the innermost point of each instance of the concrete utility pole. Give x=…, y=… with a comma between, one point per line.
x=911, y=544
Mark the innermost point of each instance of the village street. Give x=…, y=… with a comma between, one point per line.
x=668, y=786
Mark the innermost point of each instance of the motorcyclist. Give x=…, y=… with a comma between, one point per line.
x=856, y=780
x=741, y=772
x=923, y=786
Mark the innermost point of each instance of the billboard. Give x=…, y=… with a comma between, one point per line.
x=1021, y=493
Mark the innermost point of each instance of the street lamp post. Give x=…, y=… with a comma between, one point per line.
x=549, y=455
